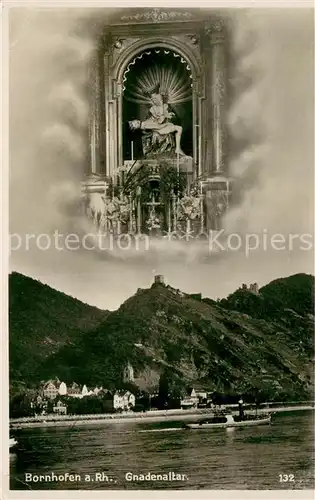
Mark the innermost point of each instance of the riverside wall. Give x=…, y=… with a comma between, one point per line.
x=149, y=416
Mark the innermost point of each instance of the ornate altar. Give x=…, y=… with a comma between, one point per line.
x=157, y=129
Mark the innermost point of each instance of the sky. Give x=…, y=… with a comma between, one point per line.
x=271, y=117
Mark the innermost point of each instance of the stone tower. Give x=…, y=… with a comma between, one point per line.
x=159, y=279
x=128, y=373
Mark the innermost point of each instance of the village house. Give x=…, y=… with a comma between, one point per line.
x=190, y=400
x=203, y=399
x=50, y=389
x=62, y=389
x=97, y=390
x=39, y=400
x=86, y=392
x=53, y=388
x=119, y=400
x=201, y=394
x=60, y=408
x=74, y=391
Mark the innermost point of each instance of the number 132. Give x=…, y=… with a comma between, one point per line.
x=286, y=478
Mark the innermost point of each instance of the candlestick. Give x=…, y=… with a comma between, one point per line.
x=93, y=146
x=177, y=176
x=139, y=211
x=196, y=159
x=174, y=212
x=169, y=217
x=188, y=226
x=218, y=152
x=103, y=221
x=200, y=139
x=202, y=220
x=131, y=150
x=130, y=213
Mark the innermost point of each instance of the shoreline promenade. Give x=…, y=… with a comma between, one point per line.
x=148, y=417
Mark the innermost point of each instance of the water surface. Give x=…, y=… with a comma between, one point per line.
x=240, y=458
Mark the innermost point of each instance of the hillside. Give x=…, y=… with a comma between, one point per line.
x=41, y=321
x=161, y=332
x=295, y=293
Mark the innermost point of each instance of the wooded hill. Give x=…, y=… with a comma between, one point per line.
x=241, y=344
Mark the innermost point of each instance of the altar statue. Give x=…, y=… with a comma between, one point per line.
x=158, y=128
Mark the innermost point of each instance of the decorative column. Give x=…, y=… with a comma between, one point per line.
x=108, y=105
x=94, y=185
x=95, y=116
x=216, y=32
x=216, y=188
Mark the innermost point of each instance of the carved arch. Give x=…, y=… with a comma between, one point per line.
x=150, y=43
x=113, y=105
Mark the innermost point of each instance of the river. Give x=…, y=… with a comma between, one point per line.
x=276, y=456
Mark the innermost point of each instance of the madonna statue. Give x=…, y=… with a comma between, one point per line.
x=160, y=135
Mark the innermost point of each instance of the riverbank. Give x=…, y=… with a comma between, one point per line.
x=148, y=417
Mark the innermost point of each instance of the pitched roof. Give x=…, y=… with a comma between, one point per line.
x=74, y=389
x=50, y=382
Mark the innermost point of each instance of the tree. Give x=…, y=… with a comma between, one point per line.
x=163, y=390
x=20, y=406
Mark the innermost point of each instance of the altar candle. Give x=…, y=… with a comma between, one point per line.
x=218, y=149
x=139, y=211
x=199, y=140
x=131, y=150
x=169, y=217
x=178, y=172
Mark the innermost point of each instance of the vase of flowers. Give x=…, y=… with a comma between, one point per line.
x=153, y=224
x=189, y=208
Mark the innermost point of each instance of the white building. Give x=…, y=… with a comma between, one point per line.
x=190, y=400
x=85, y=391
x=202, y=394
x=62, y=389
x=60, y=408
x=121, y=400
x=75, y=391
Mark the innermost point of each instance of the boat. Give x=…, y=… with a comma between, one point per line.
x=12, y=442
x=229, y=420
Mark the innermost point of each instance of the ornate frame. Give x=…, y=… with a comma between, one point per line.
x=202, y=43
x=114, y=95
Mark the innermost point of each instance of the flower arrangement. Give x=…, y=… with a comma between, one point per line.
x=189, y=208
x=112, y=208
x=124, y=211
x=153, y=222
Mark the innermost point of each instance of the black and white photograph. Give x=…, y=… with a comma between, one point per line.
x=158, y=188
